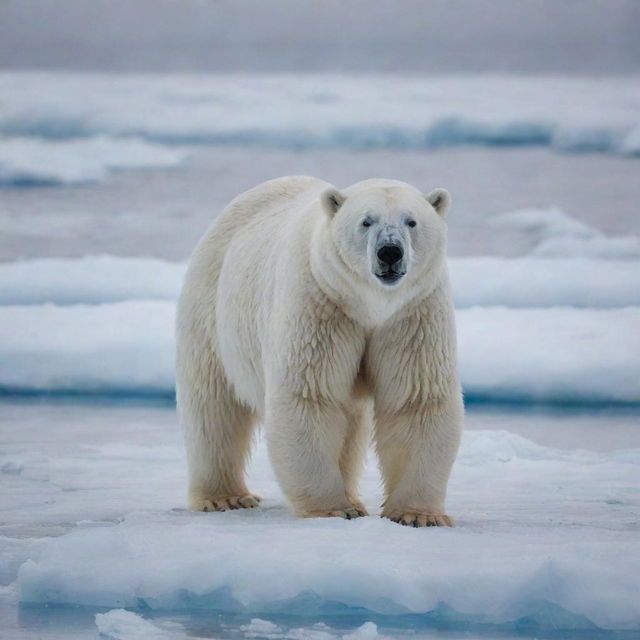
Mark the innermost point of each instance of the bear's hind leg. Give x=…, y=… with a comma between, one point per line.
x=217, y=430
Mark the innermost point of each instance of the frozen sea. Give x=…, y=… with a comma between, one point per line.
x=106, y=183
x=93, y=521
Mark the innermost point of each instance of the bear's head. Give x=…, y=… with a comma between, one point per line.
x=388, y=232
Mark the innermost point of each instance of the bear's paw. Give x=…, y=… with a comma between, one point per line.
x=420, y=519
x=348, y=513
x=223, y=503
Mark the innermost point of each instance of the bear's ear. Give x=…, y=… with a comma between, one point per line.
x=332, y=200
x=440, y=200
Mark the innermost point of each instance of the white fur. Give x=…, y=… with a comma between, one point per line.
x=282, y=319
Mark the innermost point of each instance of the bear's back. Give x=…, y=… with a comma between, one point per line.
x=244, y=213
x=264, y=201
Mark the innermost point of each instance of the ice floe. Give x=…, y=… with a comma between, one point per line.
x=560, y=235
x=566, y=113
x=477, y=281
x=545, y=539
x=559, y=354
x=36, y=162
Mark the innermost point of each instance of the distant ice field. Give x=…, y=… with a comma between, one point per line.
x=568, y=114
x=142, y=163
x=107, y=182
x=539, y=328
x=162, y=211
x=27, y=162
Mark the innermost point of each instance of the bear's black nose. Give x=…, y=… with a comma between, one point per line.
x=390, y=254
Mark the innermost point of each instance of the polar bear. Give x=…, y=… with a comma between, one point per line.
x=319, y=313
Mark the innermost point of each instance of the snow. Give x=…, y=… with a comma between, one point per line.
x=616, y=247
x=533, y=328
x=368, y=631
x=537, y=528
x=113, y=348
x=476, y=281
x=92, y=510
x=264, y=629
x=560, y=235
x=565, y=113
x=92, y=483
x=545, y=222
x=89, y=280
x=31, y=161
x=119, y=624
x=544, y=282
x=261, y=629
x=559, y=354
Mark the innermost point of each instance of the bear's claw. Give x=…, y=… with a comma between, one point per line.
x=418, y=519
x=349, y=513
x=224, y=503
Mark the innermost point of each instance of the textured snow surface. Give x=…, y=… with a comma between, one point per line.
x=543, y=282
x=118, y=347
x=568, y=114
x=476, y=281
x=560, y=329
x=553, y=354
x=562, y=236
x=544, y=535
x=31, y=161
x=558, y=354
x=259, y=628
x=120, y=624
x=89, y=280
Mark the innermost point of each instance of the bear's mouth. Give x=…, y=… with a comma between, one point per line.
x=390, y=277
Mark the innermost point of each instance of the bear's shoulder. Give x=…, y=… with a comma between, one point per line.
x=286, y=187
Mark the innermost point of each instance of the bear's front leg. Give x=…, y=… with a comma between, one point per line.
x=306, y=440
x=411, y=362
x=417, y=448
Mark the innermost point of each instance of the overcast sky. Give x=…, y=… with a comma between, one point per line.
x=424, y=36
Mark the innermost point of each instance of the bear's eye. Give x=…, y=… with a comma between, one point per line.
x=411, y=223
x=366, y=222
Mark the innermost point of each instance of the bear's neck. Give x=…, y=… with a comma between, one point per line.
x=364, y=301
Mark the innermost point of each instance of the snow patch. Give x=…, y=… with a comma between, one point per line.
x=558, y=355
x=543, y=282
x=600, y=246
x=559, y=235
x=116, y=348
x=31, y=162
x=565, y=113
x=517, y=557
x=89, y=280
x=119, y=624
x=368, y=631
x=264, y=629
x=476, y=281
x=554, y=355
x=98, y=519
x=258, y=628
x=545, y=222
